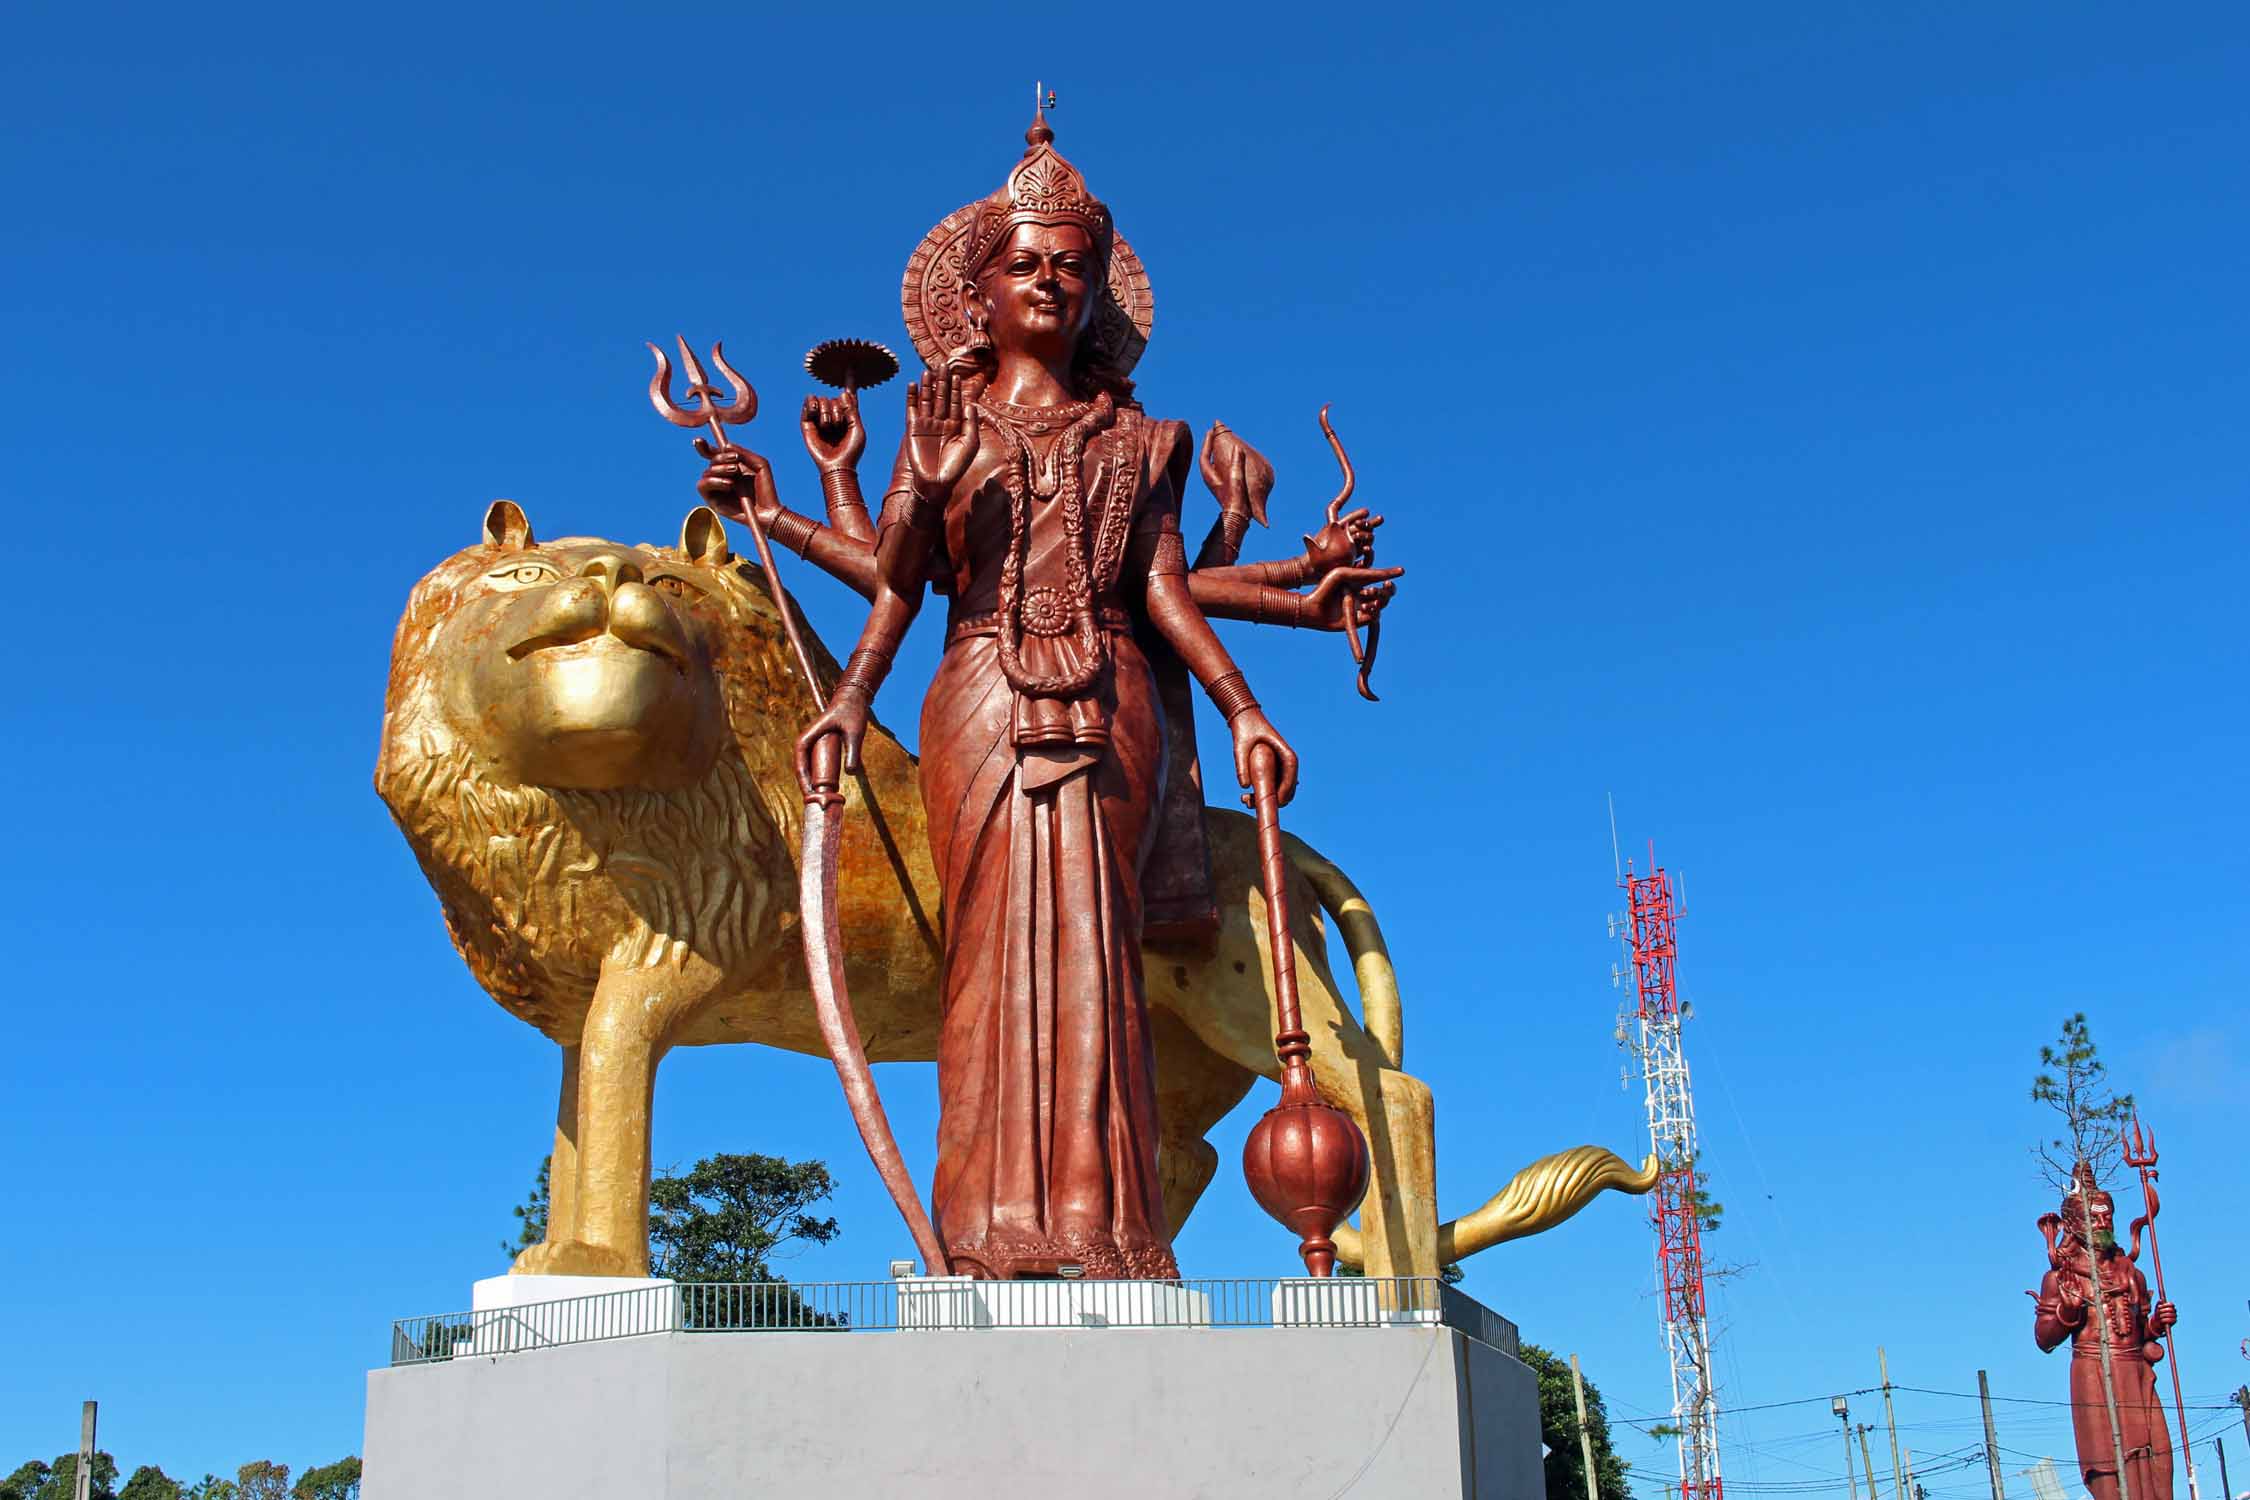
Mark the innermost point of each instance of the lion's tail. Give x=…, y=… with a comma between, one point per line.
x=1363, y=940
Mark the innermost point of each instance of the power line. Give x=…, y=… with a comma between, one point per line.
x=1919, y=1390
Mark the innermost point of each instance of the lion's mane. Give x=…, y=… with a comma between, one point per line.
x=540, y=885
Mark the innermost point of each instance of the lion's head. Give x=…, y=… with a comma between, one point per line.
x=587, y=744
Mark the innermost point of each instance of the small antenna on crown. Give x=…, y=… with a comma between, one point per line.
x=1042, y=100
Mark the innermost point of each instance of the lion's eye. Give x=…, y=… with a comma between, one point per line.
x=526, y=573
x=678, y=588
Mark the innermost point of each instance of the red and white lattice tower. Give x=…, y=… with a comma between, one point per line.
x=1651, y=940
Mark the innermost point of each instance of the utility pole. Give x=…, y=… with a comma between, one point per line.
x=2242, y=1399
x=1844, y=1414
x=1585, y=1439
x=1867, y=1458
x=1913, y=1491
x=2225, y=1484
x=85, y=1476
x=1991, y=1439
x=1890, y=1417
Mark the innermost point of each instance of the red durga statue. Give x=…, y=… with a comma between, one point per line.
x=1058, y=764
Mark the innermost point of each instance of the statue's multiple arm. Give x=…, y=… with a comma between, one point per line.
x=844, y=548
x=2059, y=1312
x=1264, y=593
x=1158, y=556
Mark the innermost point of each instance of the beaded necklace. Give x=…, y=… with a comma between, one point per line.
x=1046, y=610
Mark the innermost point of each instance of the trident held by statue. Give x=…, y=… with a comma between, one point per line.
x=709, y=411
x=2140, y=1154
x=822, y=826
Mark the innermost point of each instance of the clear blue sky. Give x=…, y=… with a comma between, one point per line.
x=1821, y=427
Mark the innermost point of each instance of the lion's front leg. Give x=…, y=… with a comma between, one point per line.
x=598, y=1223
x=616, y=1088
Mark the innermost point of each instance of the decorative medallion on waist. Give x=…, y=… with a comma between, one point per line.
x=1046, y=612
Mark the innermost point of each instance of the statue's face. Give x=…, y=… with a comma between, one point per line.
x=1039, y=289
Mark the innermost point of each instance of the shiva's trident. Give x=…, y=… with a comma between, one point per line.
x=2140, y=1153
x=824, y=812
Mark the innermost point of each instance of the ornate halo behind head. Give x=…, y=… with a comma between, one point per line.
x=931, y=294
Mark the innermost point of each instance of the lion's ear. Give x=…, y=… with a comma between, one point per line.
x=703, y=538
x=506, y=526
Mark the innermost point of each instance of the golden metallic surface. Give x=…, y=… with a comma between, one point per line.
x=1535, y=1200
x=589, y=749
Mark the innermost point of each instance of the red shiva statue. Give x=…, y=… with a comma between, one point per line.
x=2080, y=1237
x=1058, y=768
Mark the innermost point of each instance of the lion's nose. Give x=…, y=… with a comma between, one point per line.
x=610, y=570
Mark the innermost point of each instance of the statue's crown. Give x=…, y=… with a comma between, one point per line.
x=1044, y=188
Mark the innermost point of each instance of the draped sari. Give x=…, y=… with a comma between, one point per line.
x=1042, y=811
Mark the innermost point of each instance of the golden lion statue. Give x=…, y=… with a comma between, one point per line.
x=589, y=747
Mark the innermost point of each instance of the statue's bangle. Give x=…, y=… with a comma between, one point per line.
x=793, y=531
x=863, y=673
x=839, y=487
x=1272, y=612
x=1231, y=696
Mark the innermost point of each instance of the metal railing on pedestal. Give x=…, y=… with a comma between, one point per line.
x=949, y=1304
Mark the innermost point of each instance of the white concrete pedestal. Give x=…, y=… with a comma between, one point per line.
x=1387, y=1412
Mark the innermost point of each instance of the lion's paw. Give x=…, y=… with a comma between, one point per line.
x=575, y=1258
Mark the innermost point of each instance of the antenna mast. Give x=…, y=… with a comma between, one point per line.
x=1648, y=930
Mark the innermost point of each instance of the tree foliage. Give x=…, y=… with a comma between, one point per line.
x=62, y=1478
x=336, y=1481
x=150, y=1483
x=262, y=1479
x=2074, y=1083
x=726, y=1217
x=1709, y=1211
x=1558, y=1429
x=531, y=1214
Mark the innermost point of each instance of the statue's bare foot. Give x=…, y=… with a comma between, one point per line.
x=575, y=1258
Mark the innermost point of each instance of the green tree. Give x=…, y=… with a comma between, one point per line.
x=62, y=1479
x=336, y=1481
x=262, y=1479
x=150, y=1483
x=531, y=1215
x=1558, y=1429
x=212, y=1487
x=2073, y=1081
x=25, y=1482
x=726, y=1217
x=1709, y=1211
